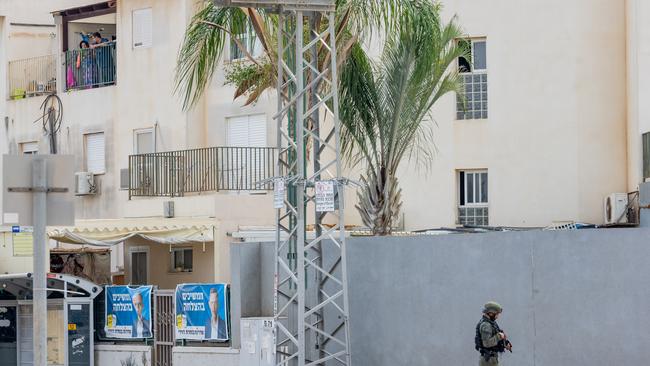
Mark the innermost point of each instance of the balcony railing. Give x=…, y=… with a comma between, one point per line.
x=32, y=76
x=89, y=67
x=176, y=173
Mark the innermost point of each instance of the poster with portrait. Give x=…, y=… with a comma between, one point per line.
x=128, y=312
x=202, y=312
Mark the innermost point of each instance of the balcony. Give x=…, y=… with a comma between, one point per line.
x=213, y=169
x=89, y=67
x=32, y=76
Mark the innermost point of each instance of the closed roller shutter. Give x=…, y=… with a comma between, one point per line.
x=95, y=153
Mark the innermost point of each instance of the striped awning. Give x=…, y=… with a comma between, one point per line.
x=157, y=230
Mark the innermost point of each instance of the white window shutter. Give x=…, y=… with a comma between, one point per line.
x=95, y=153
x=257, y=130
x=238, y=131
x=142, y=28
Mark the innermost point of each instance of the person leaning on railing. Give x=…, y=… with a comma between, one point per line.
x=84, y=64
x=103, y=58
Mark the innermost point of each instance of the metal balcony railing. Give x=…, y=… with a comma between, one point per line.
x=89, y=67
x=176, y=173
x=32, y=76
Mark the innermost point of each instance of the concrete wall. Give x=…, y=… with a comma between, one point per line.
x=112, y=355
x=205, y=356
x=570, y=298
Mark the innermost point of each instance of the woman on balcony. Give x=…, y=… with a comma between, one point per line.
x=85, y=65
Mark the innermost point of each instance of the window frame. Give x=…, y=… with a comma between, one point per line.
x=172, y=256
x=85, y=152
x=473, y=41
x=246, y=38
x=475, y=173
x=28, y=152
x=139, y=249
x=142, y=131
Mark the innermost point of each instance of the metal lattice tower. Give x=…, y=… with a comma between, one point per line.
x=311, y=307
x=311, y=294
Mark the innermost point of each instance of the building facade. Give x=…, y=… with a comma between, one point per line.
x=553, y=124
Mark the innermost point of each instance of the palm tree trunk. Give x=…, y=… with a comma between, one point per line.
x=379, y=201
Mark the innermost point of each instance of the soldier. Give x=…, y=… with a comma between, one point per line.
x=490, y=340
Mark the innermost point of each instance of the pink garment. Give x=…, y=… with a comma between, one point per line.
x=70, y=77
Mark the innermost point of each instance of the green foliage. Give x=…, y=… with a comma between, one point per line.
x=385, y=108
x=250, y=79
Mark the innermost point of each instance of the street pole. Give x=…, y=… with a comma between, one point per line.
x=39, y=196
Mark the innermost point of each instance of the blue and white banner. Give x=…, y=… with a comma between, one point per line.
x=128, y=312
x=202, y=312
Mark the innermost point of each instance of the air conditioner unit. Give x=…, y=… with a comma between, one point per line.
x=616, y=208
x=84, y=183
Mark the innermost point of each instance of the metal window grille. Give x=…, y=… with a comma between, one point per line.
x=89, y=67
x=32, y=76
x=475, y=102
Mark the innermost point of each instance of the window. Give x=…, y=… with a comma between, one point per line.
x=473, y=197
x=139, y=264
x=247, y=131
x=144, y=141
x=95, y=153
x=474, y=76
x=142, y=28
x=29, y=148
x=182, y=260
x=646, y=155
x=249, y=40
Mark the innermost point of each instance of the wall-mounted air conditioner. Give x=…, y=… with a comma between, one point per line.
x=84, y=184
x=616, y=208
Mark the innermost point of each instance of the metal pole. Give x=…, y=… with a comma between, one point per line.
x=39, y=197
x=300, y=184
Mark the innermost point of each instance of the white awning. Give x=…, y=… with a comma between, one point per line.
x=158, y=230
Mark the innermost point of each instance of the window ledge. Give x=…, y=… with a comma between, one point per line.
x=180, y=272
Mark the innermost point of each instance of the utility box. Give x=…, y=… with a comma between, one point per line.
x=257, y=342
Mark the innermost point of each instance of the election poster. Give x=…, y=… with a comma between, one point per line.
x=202, y=312
x=128, y=312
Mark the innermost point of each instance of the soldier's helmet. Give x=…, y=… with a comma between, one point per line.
x=492, y=307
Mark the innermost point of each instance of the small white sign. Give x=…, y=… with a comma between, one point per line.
x=278, y=193
x=10, y=218
x=325, y=196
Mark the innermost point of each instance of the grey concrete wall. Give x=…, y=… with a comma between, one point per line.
x=571, y=297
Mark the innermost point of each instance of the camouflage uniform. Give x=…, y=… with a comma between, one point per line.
x=490, y=339
x=487, y=338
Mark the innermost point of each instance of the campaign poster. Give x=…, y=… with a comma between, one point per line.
x=202, y=312
x=128, y=312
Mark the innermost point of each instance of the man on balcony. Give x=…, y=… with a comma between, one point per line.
x=104, y=59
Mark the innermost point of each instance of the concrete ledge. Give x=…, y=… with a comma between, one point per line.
x=209, y=350
x=121, y=348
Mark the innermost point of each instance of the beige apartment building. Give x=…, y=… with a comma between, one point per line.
x=555, y=124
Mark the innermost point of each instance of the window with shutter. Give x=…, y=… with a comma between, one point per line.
x=247, y=164
x=142, y=28
x=144, y=141
x=29, y=148
x=95, y=153
x=247, y=131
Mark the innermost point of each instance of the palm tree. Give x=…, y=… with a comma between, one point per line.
x=385, y=108
x=207, y=33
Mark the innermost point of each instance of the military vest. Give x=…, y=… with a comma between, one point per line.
x=478, y=342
